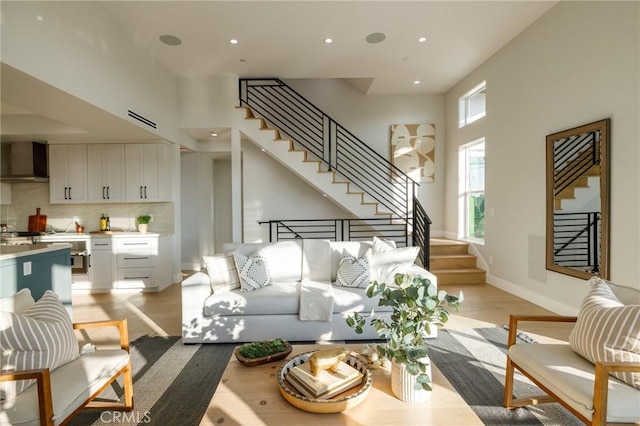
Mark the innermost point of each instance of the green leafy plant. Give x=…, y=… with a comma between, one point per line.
x=145, y=218
x=263, y=348
x=416, y=307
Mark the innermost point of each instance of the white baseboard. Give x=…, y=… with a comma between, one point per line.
x=531, y=296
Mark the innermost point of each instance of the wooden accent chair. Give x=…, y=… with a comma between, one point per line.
x=586, y=389
x=60, y=394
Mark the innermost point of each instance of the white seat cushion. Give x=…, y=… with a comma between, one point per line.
x=278, y=298
x=571, y=377
x=71, y=385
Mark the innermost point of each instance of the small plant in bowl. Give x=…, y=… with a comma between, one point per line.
x=143, y=222
x=257, y=353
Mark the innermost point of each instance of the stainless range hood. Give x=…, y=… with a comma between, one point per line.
x=24, y=162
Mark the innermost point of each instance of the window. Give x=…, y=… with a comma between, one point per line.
x=471, y=191
x=472, y=105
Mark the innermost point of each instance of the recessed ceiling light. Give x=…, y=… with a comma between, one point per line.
x=374, y=38
x=422, y=39
x=233, y=41
x=214, y=134
x=39, y=18
x=416, y=82
x=170, y=40
x=328, y=40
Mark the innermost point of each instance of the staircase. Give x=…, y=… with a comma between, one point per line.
x=303, y=138
x=589, y=179
x=300, y=161
x=451, y=263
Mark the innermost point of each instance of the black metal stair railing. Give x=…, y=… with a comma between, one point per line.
x=310, y=128
x=573, y=160
x=577, y=240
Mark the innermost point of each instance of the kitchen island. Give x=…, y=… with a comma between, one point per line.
x=38, y=267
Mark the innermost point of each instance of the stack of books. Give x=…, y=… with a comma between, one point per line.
x=327, y=385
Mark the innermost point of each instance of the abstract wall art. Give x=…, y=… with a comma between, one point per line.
x=413, y=150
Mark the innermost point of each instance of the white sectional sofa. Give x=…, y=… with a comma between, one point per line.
x=303, y=301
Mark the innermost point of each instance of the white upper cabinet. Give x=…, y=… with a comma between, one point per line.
x=106, y=176
x=148, y=171
x=68, y=174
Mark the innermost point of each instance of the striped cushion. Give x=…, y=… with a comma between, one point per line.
x=352, y=271
x=41, y=336
x=607, y=330
x=253, y=272
x=222, y=272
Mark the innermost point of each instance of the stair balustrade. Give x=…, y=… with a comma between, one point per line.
x=339, y=150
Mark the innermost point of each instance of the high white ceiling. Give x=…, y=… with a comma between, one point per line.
x=285, y=39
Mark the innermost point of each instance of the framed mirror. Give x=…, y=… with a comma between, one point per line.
x=578, y=201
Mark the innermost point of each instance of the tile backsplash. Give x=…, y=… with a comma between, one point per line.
x=26, y=197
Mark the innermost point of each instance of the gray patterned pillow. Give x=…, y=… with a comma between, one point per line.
x=41, y=336
x=353, y=272
x=253, y=272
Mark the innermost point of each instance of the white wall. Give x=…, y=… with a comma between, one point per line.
x=369, y=117
x=577, y=64
x=272, y=192
x=222, y=207
x=78, y=48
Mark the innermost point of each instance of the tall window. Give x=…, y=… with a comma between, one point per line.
x=472, y=105
x=471, y=191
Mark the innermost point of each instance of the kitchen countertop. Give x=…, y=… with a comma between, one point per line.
x=12, y=252
x=74, y=236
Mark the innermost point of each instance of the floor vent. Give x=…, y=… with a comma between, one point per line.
x=141, y=119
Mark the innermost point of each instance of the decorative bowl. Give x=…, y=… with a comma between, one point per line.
x=251, y=362
x=342, y=402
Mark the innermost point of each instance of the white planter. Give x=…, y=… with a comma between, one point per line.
x=142, y=227
x=402, y=384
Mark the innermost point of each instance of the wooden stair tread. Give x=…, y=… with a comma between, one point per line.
x=458, y=271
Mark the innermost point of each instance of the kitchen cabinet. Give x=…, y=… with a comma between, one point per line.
x=102, y=264
x=67, y=174
x=148, y=172
x=136, y=260
x=106, y=175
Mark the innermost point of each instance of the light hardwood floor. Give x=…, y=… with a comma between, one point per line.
x=160, y=313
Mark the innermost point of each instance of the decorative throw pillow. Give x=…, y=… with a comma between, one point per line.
x=607, y=330
x=40, y=337
x=381, y=245
x=353, y=272
x=253, y=272
x=385, y=265
x=222, y=272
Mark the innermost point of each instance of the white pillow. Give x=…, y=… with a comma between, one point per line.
x=353, y=272
x=253, y=272
x=385, y=265
x=40, y=337
x=607, y=330
x=18, y=302
x=222, y=272
x=380, y=245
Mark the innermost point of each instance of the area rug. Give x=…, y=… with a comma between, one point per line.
x=474, y=362
x=174, y=383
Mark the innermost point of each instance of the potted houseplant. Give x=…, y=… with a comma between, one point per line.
x=143, y=222
x=417, y=306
